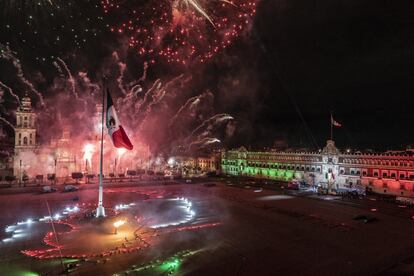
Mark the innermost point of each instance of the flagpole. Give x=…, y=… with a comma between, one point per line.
x=100, y=211
x=331, y=127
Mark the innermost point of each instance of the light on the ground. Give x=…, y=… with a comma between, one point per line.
x=117, y=224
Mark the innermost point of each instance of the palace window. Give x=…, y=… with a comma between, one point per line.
x=376, y=174
x=25, y=141
x=393, y=175
x=402, y=176
x=384, y=175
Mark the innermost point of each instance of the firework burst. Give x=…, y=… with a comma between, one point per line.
x=180, y=31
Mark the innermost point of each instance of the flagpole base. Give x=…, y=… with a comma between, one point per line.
x=100, y=211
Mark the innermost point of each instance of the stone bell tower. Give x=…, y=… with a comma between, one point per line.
x=25, y=137
x=25, y=131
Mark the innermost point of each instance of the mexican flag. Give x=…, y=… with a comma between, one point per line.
x=115, y=130
x=335, y=123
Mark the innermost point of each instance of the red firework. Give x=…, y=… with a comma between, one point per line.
x=180, y=31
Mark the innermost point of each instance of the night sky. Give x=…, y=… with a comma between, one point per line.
x=300, y=60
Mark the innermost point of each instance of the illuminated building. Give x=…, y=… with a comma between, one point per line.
x=209, y=163
x=25, y=138
x=387, y=173
x=64, y=154
x=31, y=159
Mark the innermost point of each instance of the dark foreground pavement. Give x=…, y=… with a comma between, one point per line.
x=261, y=233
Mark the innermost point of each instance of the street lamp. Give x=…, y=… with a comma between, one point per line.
x=55, y=170
x=117, y=224
x=20, y=172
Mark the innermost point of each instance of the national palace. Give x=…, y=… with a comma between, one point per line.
x=387, y=173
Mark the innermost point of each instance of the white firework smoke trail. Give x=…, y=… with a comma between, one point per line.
x=10, y=91
x=189, y=105
x=70, y=77
x=7, y=54
x=59, y=69
x=157, y=92
x=84, y=77
x=142, y=78
x=136, y=89
x=7, y=122
x=196, y=6
x=190, y=102
x=130, y=93
x=146, y=100
x=122, y=68
x=218, y=118
x=204, y=142
x=120, y=79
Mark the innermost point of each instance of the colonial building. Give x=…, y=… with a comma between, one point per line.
x=388, y=173
x=64, y=157
x=64, y=154
x=209, y=163
x=25, y=137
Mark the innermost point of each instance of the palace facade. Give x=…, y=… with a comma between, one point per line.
x=387, y=173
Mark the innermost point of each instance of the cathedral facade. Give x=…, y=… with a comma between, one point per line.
x=65, y=154
x=31, y=159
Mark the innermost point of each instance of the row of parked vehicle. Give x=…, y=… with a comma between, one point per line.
x=66, y=188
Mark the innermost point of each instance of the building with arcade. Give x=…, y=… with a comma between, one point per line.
x=386, y=173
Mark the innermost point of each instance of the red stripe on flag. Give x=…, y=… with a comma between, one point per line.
x=121, y=140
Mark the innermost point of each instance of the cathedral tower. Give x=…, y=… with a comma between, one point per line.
x=25, y=131
x=25, y=139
